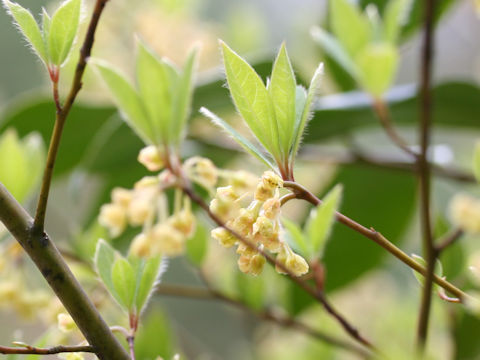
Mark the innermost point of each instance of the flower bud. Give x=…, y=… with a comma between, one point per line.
x=142, y=246
x=223, y=236
x=243, y=181
x=465, y=213
x=271, y=208
x=264, y=227
x=121, y=196
x=256, y=264
x=113, y=217
x=151, y=158
x=183, y=221
x=271, y=180
x=65, y=323
x=201, y=170
x=140, y=211
x=168, y=240
x=263, y=193
x=297, y=264
x=149, y=182
x=243, y=223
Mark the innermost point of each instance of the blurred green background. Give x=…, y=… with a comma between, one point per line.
x=375, y=291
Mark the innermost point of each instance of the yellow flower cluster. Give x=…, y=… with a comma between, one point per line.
x=146, y=205
x=465, y=213
x=258, y=222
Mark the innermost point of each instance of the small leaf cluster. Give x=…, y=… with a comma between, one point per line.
x=158, y=107
x=276, y=113
x=363, y=43
x=52, y=41
x=312, y=242
x=130, y=281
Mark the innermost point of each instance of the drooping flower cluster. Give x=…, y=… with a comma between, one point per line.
x=146, y=205
x=465, y=213
x=257, y=222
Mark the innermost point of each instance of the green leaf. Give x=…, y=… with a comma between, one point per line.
x=150, y=273
x=104, y=260
x=244, y=143
x=296, y=239
x=197, y=245
x=349, y=26
x=183, y=97
x=128, y=101
x=29, y=28
x=321, y=221
x=63, y=29
x=377, y=67
x=46, y=24
x=155, y=88
x=395, y=17
x=282, y=90
x=123, y=279
x=476, y=161
x=333, y=48
x=301, y=121
x=420, y=278
x=252, y=100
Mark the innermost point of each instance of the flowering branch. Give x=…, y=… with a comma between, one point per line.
x=372, y=234
x=318, y=295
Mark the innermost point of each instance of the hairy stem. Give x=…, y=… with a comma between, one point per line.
x=62, y=114
x=210, y=293
x=372, y=234
x=49, y=261
x=429, y=252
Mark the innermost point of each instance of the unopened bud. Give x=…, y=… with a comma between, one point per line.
x=113, y=217
x=65, y=323
x=224, y=237
x=151, y=158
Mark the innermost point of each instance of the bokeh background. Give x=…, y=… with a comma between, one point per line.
x=374, y=290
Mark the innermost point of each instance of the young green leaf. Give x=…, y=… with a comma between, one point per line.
x=127, y=100
x=476, y=161
x=395, y=17
x=301, y=121
x=333, y=48
x=103, y=260
x=197, y=245
x=349, y=26
x=420, y=278
x=244, y=143
x=63, y=29
x=282, y=90
x=183, y=97
x=296, y=239
x=150, y=274
x=29, y=28
x=123, y=279
x=377, y=65
x=322, y=219
x=252, y=100
x=46, y=24
x=155, y=88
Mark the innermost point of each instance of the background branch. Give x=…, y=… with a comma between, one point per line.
x=45, y=351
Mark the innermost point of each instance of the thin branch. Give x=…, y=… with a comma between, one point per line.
x=424, y=174
x=62, y=114
x=211, y=294
x=448, y=240
x=318, y=295
x=372, y=234
x=383, y=115
x=45, y=351
x=285, y=198
x=54, y=269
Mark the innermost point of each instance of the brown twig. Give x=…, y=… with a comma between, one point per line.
x=211, y=294
x=318, y=295
x=27, y=349
x=372, y=234
x=383, y=115
x=448, y=240
x=424, y=175
x=62, y=114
